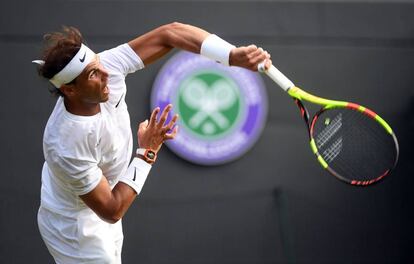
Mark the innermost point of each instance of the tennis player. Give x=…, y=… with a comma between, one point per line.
x=88, y=181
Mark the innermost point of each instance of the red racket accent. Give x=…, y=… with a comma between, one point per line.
x=366, y=111
x=364, y=183
x=313, y=124
x=353, y=106
x=370, y=113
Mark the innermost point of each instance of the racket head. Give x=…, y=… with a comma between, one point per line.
x=353, y=143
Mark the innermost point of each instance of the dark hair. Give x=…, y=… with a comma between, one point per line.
x=59, y=48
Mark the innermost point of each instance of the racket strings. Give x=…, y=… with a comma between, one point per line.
x=369, y=152
x=325, y=135
x=372, y=149
x=353, y=144
x=333, y=151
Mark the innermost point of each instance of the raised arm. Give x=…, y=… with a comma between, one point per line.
x=111, y=205
x=161, y=40
x=156, y=43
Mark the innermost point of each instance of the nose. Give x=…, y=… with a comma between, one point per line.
x=104, y=72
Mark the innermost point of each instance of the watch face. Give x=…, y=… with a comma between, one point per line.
x=151, y=154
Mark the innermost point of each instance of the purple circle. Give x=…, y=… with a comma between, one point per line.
x=239, y=141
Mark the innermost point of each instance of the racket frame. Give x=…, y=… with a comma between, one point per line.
x=300, y=95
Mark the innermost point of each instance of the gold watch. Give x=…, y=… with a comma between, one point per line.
x=147, y=154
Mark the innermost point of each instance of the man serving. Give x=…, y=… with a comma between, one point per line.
x=88, y=181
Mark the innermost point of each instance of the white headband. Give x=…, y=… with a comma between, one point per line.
x=73, y=68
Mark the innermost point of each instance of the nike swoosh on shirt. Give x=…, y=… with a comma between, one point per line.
x=119, y=101
x=83, y=59
x=135, y=174
x=99, y=142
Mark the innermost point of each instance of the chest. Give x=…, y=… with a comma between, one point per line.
x=114, y=141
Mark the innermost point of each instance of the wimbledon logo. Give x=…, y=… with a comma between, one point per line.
x=222, y=109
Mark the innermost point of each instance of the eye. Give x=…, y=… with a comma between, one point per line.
x=92, y=74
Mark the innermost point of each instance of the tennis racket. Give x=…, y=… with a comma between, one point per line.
x=350, y=141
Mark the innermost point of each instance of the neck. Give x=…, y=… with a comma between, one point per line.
x=82, y=109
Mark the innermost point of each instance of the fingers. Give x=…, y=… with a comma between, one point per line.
x=160, y=124
x=257, y=52
x=251, y=48
x=142, y=127
x=171, y=135
x=264, y=65
x=171, y=124
x=260, y=55
x=153, y=118
x=164, y=115
x=143, y=124
x=153, y=133
x=268, y=63
x=255, y=56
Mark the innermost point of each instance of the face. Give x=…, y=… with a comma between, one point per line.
x=91, y=86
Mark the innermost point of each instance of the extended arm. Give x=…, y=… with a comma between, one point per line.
x=161, y=40
x=156, y=43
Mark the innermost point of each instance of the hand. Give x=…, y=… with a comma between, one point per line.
x=151, y=135
x=249, y=57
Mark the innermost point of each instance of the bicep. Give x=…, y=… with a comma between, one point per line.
x=159, y=41
x=151, y=45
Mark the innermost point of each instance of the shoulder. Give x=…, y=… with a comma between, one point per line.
x=121, y=59
x=70, y=135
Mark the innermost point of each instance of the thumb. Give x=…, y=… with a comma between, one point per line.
x=143, y=125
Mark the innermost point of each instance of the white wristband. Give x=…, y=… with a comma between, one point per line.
x=215, y=48
x=136, y=174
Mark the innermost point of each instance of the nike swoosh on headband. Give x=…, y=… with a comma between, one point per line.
x=83, y=59
x=73, y=68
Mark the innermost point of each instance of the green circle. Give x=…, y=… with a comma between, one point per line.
x=204, y=118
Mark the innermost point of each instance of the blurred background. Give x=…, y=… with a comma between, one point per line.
x=273, y=205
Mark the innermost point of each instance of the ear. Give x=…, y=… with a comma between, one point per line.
x=68, y=90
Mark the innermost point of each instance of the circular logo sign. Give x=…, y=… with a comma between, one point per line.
x=222, y=109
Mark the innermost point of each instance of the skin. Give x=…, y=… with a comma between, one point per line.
x=160, y=41
x=90, y=89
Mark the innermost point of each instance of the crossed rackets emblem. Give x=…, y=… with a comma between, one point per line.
x=209, y=102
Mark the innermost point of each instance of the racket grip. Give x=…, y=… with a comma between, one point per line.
x=277, y=76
